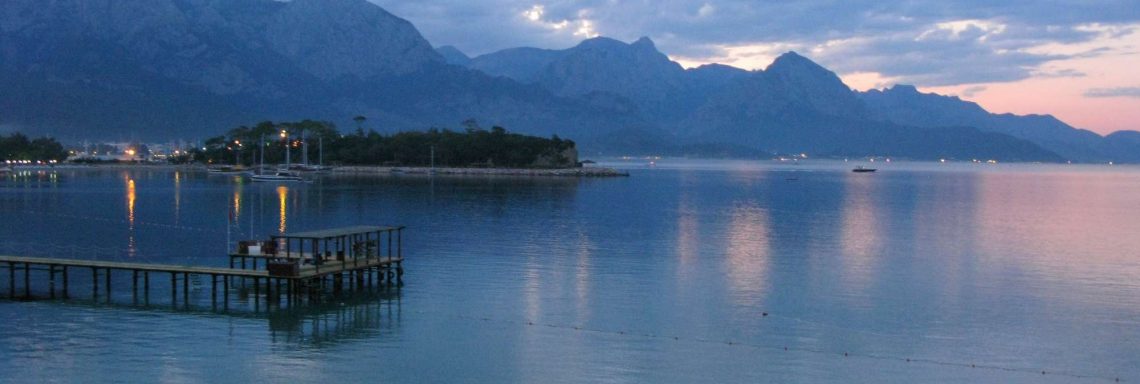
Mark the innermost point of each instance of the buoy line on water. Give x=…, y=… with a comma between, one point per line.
x=1034, y=371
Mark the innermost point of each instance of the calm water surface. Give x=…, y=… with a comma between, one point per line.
x=689, y=271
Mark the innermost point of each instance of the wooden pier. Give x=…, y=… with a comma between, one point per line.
x=293, y=264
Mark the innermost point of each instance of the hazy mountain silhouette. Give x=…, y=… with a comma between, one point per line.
x=903, y=104
x=792, y=106
x=161, y=69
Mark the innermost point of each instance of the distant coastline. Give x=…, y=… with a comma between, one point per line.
x=559, y=172
x=374, y=170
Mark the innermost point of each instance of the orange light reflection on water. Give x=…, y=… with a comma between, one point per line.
x=236, y=214
x=131, y=242
x=282, y=197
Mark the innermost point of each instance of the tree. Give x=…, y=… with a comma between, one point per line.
x=18, y=147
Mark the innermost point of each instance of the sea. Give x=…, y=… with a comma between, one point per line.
x=686, y=271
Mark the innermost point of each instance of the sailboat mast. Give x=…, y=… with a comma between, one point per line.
x=304, y=148
x=261, y=162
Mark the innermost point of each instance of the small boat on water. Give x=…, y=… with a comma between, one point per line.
x=279, y=176
x=861, y=169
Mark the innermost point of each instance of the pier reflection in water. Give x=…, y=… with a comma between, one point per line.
x=328, y=319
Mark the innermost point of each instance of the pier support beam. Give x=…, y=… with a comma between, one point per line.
x=51, y=282
x=135, y=286
x=186, y=289
x=27, y=281
x=173, y=289
x=12, y=280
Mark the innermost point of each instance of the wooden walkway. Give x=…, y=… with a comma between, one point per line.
x=301, y=262
x=356, y=272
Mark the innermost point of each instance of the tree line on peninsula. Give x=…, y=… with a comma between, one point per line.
x=319, y=142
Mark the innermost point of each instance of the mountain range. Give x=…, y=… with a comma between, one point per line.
x=163, y=69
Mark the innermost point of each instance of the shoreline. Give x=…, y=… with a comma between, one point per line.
x=373, y=170
x=555, y=172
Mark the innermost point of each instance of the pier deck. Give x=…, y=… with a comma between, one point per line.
x=306, y=272
x=338, y=257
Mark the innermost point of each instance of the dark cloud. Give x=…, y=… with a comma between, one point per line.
x=915, y=41
x=1114, y=92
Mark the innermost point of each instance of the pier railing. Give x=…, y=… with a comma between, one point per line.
x=317, y=251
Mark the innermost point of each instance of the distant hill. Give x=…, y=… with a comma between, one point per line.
x=903, y=104
x=163, y=69
x=793, y=105
x=796, y=106
x=1122, y=146
x=160, y=69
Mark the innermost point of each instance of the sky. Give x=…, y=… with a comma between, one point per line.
x=1077, y=60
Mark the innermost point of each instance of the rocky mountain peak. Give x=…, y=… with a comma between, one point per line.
x=644, y=43
x=792, y=64
x=602, y=64
x=336, y=38
x=904, y=89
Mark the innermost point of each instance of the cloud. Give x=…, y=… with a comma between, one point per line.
x=972, y=91
x=926, y=42
x=1060, y=73
x=953, y=53
x=1132, y=92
